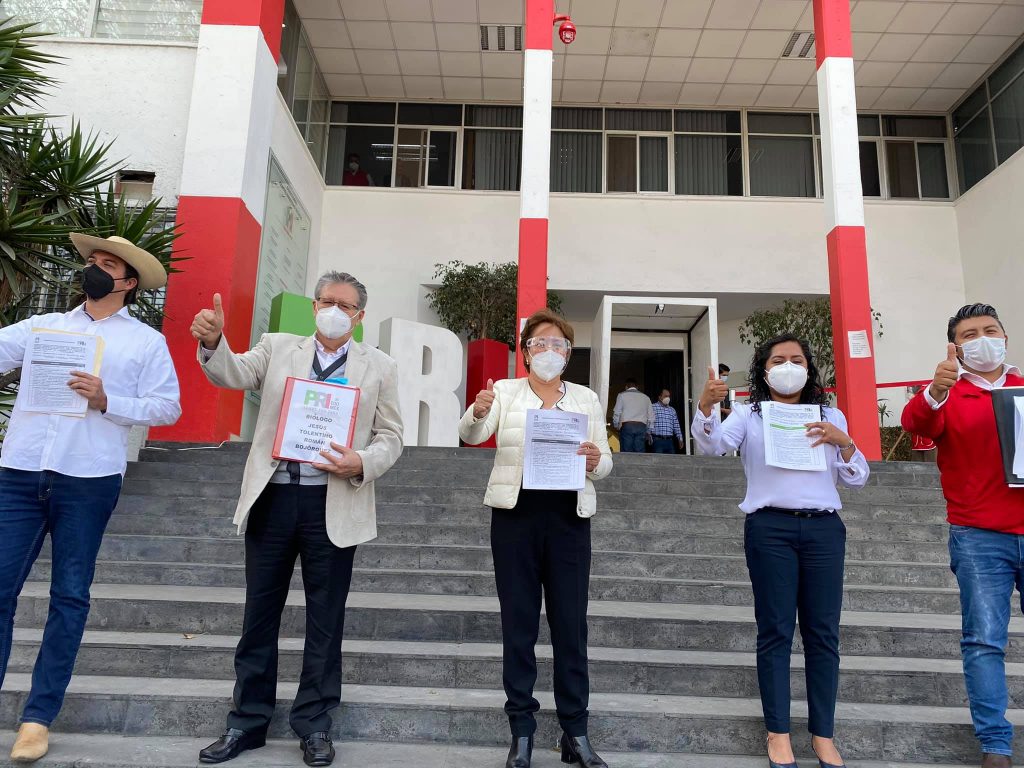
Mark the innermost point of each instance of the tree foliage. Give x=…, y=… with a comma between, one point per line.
x=810, y=320
x=479, y=300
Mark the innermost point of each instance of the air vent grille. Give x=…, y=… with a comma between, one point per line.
x=501, y=37
x=799, y=46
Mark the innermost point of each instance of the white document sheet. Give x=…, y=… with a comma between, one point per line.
x=1018, y=436
x=550, y=462
x=786, y=443
x=50, y=357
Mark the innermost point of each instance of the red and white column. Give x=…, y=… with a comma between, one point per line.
x=223, y=190
x=535, y=189
x=852, y=332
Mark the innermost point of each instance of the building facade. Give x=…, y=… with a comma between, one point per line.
x=685, y=158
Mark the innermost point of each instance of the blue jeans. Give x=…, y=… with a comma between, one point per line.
x=988, y=565
x=633, y=437
x=74, y=511
x=664, y=445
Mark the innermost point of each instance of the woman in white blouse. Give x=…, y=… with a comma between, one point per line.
x=795, y=541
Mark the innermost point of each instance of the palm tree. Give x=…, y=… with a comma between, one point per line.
x=52, y=184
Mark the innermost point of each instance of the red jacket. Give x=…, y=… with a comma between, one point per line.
x=970, y=461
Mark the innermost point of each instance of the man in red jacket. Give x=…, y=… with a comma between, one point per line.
x=986, y=534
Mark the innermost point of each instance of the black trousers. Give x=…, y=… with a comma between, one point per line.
x=289, y=521
x=796, y=569
x=543, y=546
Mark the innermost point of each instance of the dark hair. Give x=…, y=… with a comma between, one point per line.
x=630, y=382
x=353, y=154
x=967, y=312
x=813, y=392
x=723, y=368
x=537, y=319
x=131, y=296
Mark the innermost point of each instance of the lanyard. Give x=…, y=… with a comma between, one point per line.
x=321, y=374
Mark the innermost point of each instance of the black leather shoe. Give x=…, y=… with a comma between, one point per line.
x=317, y=749
x=577, y=749
x=231, y=745
x=520, y=753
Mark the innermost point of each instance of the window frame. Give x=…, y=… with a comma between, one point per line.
x=667, y=136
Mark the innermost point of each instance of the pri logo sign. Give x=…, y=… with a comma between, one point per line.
x=318, y=399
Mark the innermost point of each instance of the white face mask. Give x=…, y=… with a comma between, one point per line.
x=787, y=378
x=984, y=354
x=353, y=167
x=333, y=323
x=547, y=365
x=725, y=377
x=666, y=400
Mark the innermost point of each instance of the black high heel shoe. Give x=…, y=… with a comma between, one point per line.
x=773, y=764
x=577, y=749
x=520, y=753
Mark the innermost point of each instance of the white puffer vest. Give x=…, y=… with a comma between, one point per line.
x=507, y=419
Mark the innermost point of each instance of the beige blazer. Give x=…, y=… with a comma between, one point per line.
x=351, y=509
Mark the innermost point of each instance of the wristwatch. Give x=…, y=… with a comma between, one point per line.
x=848, y=447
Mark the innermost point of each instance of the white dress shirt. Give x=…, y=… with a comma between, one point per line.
x=769, y=486
x=139, y=381
x=979, y=381
x=632, y=405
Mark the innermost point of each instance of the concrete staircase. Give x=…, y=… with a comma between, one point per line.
x=671, y=628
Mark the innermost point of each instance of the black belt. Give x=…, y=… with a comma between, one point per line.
x=664, y=437
x=799, y=512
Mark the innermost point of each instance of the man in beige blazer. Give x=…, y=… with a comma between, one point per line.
x=317, y=512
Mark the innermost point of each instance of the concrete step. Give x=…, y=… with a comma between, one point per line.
x=464, y=473
x=665, y=495
x=626, y=722
x=184, y=552
x=228, y=547
x=456, y=618
x=107, y=751
x=864, y=679
x=450, y=582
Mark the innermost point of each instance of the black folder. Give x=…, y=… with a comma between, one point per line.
x=1006, y=426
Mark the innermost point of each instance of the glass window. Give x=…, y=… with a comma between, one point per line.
x=622, y=163
x=576, y=118
x=291, y=31
x=867, y=125
x=363, y=112
x=870, y=181
x=425, y=157
x=654, y=163
x=1007, y=71
x=303, y=84
x=709, y=165
x=972, y=105
x=921, y=127
x=782, y=166
x=931, y=160
x=149, y=19
x=373, y=145
x=1008, y=119
x=901, y=167
x=974, y=155
x=771, y=122
x=494, y=117
x=66, y=18
x=491, y=159
x=441, y=158
x=638, y=119
x=576, y=161
x=430, y=114
x=704, y=121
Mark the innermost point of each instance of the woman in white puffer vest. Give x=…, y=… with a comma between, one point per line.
x=540, y=540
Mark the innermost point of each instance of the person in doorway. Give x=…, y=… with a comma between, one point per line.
x=665, y=431
x=61, y=474
x=318, y=512
x=540, y=540
x=633, y=416
x=354, y=175
x=986, y=517
x=794, y=540
x=726, y=407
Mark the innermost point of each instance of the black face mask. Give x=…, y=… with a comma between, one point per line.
x=98, y=284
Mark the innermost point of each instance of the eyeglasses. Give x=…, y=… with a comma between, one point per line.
x=549, y=342
x=327, y=304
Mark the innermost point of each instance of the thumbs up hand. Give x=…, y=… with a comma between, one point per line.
x=715, y=391
x=484, y=401
x=209, y=324
x=946, y=374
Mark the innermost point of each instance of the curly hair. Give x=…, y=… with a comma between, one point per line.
x=813, y=392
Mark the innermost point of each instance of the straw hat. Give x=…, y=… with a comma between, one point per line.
x=151, y=272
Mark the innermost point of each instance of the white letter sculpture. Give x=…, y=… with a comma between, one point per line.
x=430, y=371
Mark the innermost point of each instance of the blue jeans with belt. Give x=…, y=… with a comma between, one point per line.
x=633, y=437
x=75, y=512
x=988, y=565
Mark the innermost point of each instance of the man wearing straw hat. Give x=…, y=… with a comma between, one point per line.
x=60, y=471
